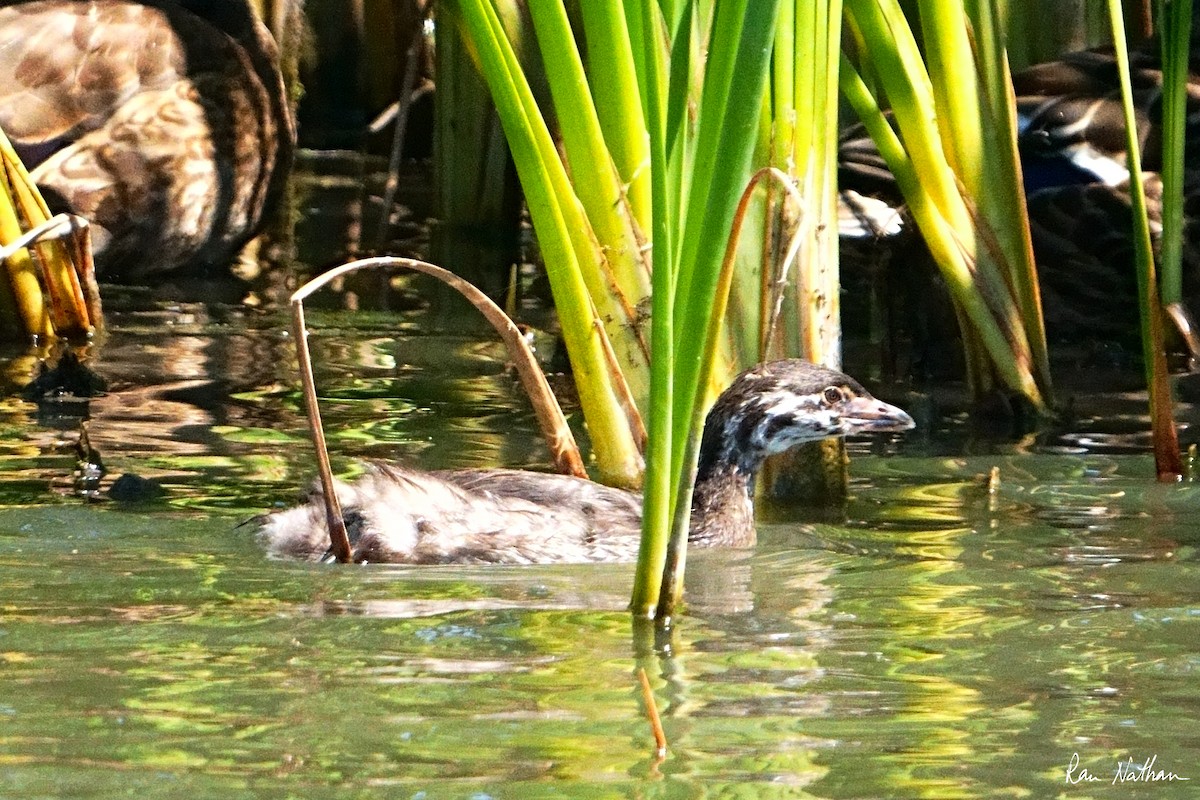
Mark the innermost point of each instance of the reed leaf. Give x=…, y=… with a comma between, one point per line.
x=573, y=256
x=1175, y=31
x=611, y=62
x=801, y=305
x=658, y=495
x=739, y=58
x=719, y=163
x=1005, y=211
x=1167, y=460
x=963, y=229
x=595, y=181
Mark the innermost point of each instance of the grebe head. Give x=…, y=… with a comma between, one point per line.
x=781, y=404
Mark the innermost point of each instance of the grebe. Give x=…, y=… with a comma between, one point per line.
x=395, y=514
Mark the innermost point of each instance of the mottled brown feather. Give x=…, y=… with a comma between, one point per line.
x=168, y=129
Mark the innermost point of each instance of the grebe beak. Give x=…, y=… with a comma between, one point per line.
x=866, y=414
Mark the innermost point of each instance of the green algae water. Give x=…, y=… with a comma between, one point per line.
x=946, y=635
x=941, y=639
x=955, y=645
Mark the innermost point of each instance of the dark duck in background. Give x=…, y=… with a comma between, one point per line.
x=165, y=124
x=1073, y=152
x=1071, y=136
x=395, y=514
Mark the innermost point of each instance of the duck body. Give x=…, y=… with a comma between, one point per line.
x=1071, y=138
x=1071, y=125
x=399, y=515
x=165, y=124
x=1074, y=157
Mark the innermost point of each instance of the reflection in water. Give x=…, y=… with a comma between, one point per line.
x=942, y=640
x=206, y=403
x=841, y=660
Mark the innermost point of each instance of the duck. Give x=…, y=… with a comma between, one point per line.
x=1071, y=140
x=1074, y=157
x=1070, y=123
x=164, y=123
x=396, y=514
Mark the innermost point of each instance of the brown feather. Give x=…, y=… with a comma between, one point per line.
x=169, y=131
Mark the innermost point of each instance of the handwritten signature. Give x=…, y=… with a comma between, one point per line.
x=1126, y=771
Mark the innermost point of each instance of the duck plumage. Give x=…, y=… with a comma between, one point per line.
x=165, y=124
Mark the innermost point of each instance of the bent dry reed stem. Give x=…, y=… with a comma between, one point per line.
x=563, y=449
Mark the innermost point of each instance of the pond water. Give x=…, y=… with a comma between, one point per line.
x=937, y=640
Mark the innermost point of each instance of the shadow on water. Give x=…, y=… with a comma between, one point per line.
x=939, y=640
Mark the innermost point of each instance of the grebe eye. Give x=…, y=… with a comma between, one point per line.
x=834, y=395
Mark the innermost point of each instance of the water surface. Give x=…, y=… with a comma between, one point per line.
x=936, y=640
